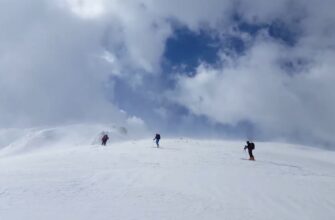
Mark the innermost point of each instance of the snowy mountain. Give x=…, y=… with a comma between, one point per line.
x=64, y=173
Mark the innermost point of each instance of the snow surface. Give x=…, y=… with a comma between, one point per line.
x=55, y=174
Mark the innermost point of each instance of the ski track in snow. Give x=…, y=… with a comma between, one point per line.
x=183, y=179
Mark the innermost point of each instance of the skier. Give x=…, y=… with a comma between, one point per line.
x=157, y=138
x=250, y=146
x=104, y=139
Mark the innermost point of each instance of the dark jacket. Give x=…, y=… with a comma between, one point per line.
x=105, y=138
x=250, y=146
x=157, y=137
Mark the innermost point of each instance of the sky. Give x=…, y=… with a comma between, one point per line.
x=256, y=70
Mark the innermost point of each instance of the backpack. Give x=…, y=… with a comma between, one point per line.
x=252, y=146
x=105, y=137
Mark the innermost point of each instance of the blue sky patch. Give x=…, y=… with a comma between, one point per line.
x=277, y=29
x=281, y=31
x=185, y=49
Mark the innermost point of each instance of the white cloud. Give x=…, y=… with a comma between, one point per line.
x=56, y=57
x=87, y=8
x=256, y=88
x=48, y=72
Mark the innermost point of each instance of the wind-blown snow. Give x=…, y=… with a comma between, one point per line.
x=184, y=179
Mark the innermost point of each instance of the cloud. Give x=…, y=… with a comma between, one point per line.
x=59, y=61
x=85, y=9
x=258, y=88
x=56, y=56
x=48, y=67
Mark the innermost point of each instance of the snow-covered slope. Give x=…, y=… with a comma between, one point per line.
x=184, y=179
